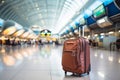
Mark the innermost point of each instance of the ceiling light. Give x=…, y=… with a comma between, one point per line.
x=0, y=30
x=30, y=36
x=88, y=36
x=3, y=1
x=38, y=8
x=76, y=31
x=36, y=5
x=3, y=38
x=18, y=33
x=70, y=33
x=66, y=13
x=34, y=26
x=96, y=35
x=11, y=38
x=102, y=34
x=24, y=35
x=9, y=27
x=101, y=21
x=85, y=37
x=111, y=32
x=67, y=28
x=9, y=31
x=64, y=36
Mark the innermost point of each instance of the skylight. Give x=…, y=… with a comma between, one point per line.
x=71, y=7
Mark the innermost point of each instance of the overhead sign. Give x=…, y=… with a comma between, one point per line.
x=45, y=33
x=99, y=11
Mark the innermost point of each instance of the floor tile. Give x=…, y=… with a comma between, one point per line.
x=44, y=63
x=32, y=75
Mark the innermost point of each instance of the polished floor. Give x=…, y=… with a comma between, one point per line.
x=44, y=63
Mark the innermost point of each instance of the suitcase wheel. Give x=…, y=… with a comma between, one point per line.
x=88, y=73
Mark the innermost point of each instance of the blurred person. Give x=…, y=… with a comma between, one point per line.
x=118, y=44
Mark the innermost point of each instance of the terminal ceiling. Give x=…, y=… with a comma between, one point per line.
x=47, y=14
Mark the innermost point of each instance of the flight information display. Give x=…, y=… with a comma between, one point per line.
x=99, y=11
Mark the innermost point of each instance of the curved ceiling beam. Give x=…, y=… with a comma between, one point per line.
x=38, y=12
x=10, y=3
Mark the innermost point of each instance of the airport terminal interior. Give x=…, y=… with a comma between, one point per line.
x=33, y=34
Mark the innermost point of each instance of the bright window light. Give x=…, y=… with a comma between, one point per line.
x=87, y=13
x=95, y=5
x=68, y=13
x=67, y=28
x=79, y=17
x=72, y=24
x=119, y=31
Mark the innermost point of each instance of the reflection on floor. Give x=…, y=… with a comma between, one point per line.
x=44, y=63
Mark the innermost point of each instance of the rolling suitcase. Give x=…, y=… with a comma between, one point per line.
x=76, y=56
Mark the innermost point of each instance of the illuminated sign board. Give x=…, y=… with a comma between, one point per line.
x=99, y=11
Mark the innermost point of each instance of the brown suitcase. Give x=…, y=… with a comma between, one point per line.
x=76, y=56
